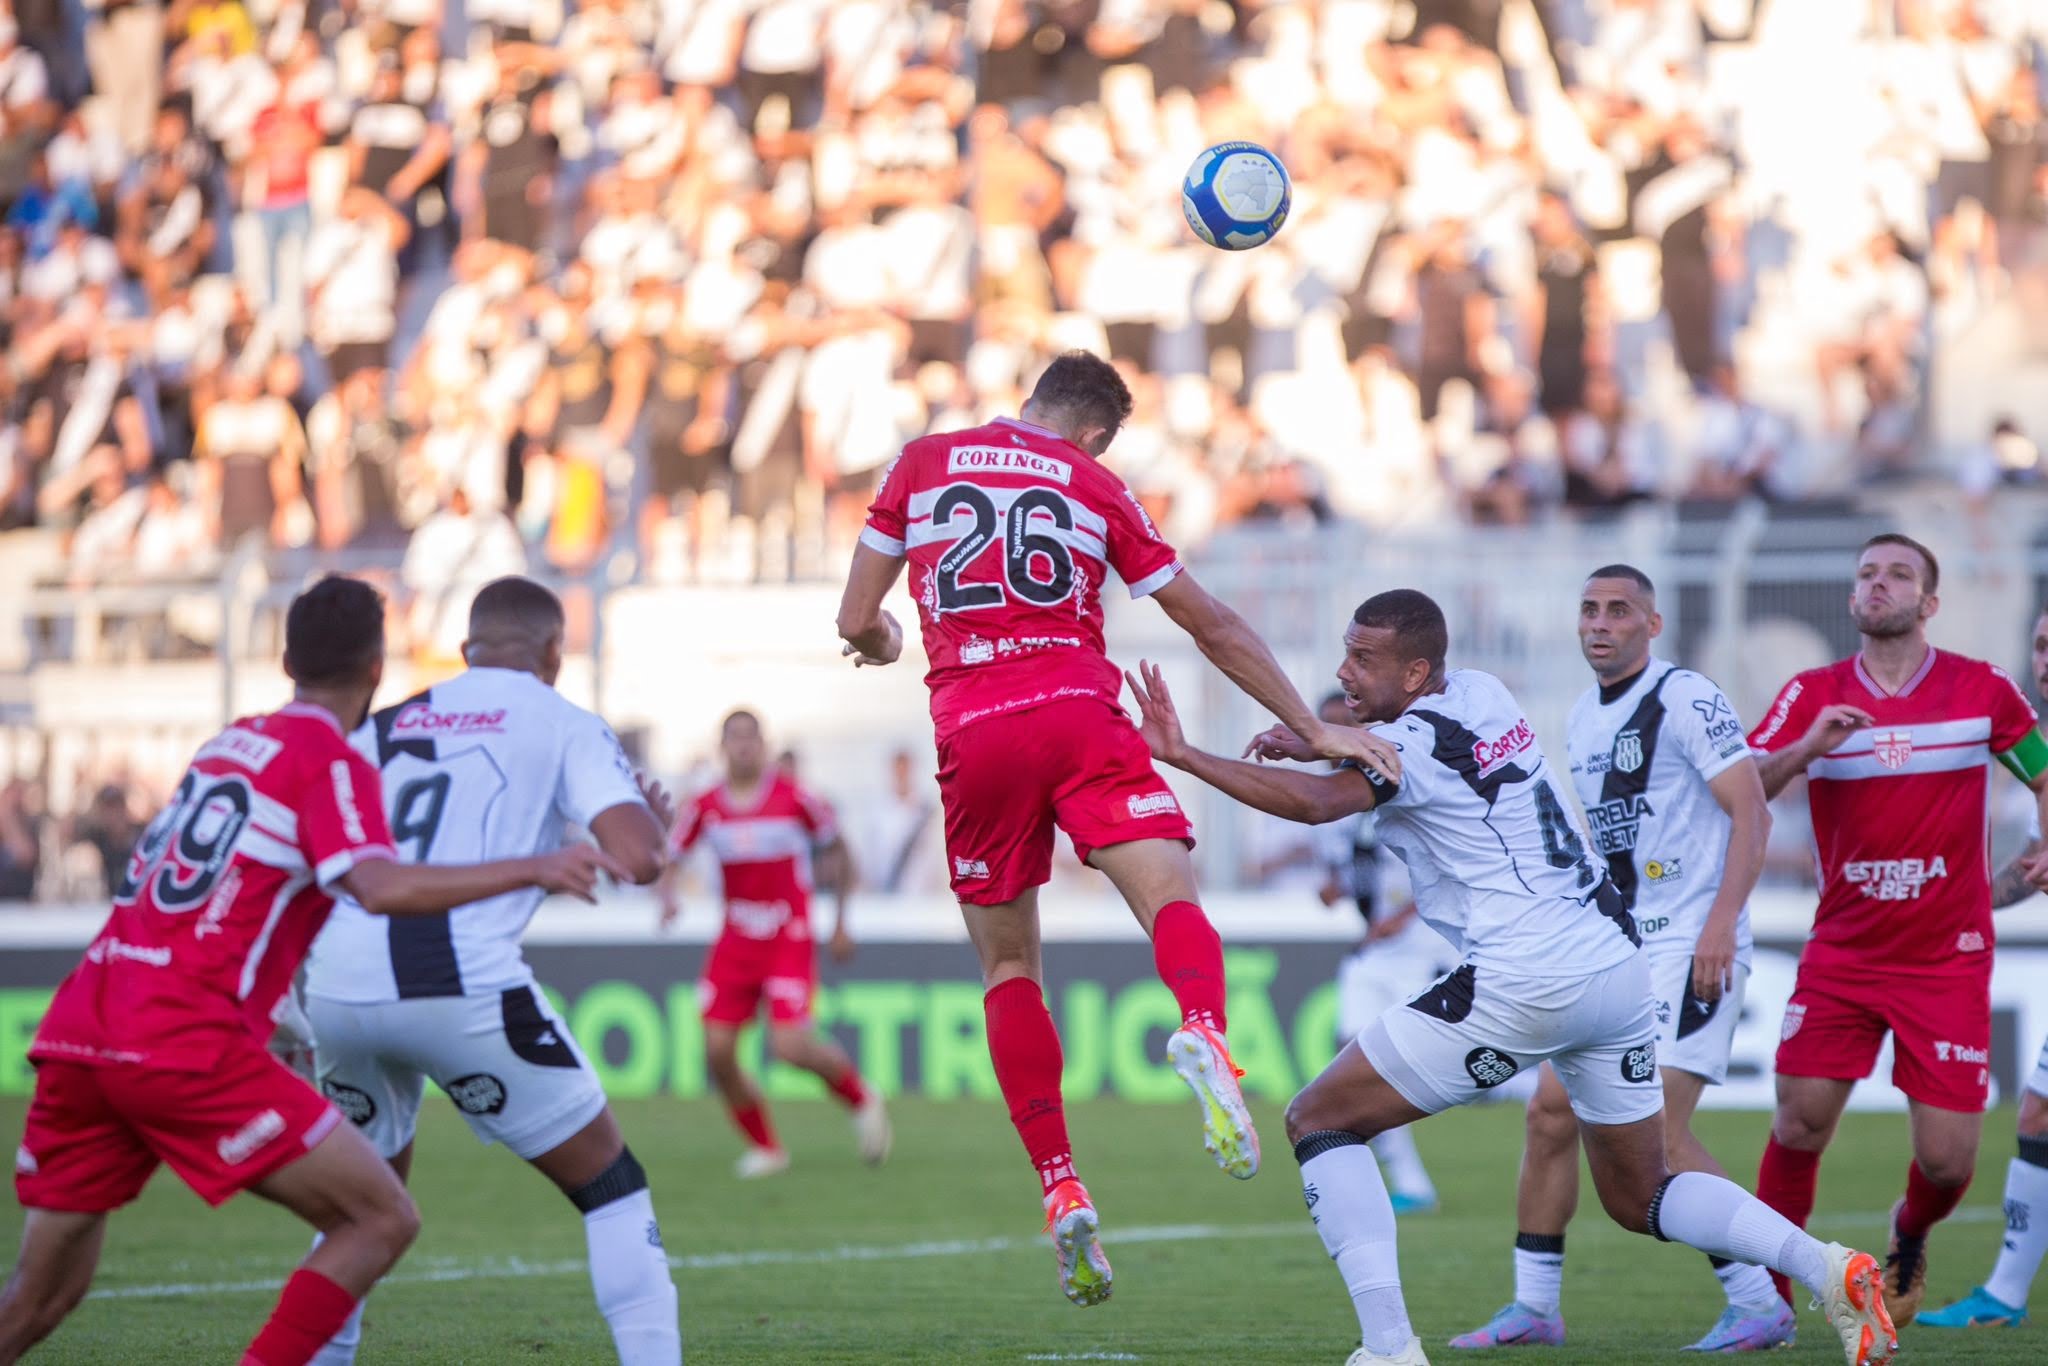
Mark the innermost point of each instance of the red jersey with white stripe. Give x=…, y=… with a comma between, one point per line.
x=1900, y=812
x=1011, y=531
x=763, y=848
x=222, y=897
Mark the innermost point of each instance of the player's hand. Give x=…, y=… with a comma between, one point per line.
x=841, y=946
x=889, y=653
x=658, y=799
x=1835, y=724
x=1361, y=746
x=1330, y=893
x=1713, y=961
x=1158, y=722
x=574, y=870
x=1279, y=742
x=2037, y=871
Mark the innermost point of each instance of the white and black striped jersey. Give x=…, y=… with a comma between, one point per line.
x=1497, y=859
x=1641, y=761
x=492, y=764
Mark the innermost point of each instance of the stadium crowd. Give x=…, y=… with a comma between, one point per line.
x=682, y=277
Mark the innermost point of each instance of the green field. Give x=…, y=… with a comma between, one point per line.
x=935, y=1258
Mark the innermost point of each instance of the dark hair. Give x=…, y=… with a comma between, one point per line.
x=1624, y=571
x=738, y=714
x=1414, y=618
x=1333, y=699
x=334, y=632
x=1900, y=538
x=1086, y=389
x=516, y=606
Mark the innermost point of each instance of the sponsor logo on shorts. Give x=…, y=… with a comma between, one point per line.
x=1795, y=1016
x=1489, y=1067
x=998, y=460
x=420, y=719
x=353, y=1102
x=1628, y=751
x=345, y=800
x=1894, y=879
x=1639, y=1064
x=479, y=1093
x=1663, y=1012
x=1663, y=870
x=970, y=867
x=1944, y=1051
x=1969, y=941
x=1153, y=804
x=25, y=1163
x=245, y=1142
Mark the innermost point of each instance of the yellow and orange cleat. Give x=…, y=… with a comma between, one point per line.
x=1201, y=1057
x=1071, y=1219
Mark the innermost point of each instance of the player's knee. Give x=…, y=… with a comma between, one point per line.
x=1792, y=1129
x=1947, y=1169
x=1313, y=1111
x=392, y=1224
x=786, y=1045
x=2033, y=1115
x=1627, y=1205
x=1550, y=1123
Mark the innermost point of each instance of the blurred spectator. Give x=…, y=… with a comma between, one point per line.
x=23, y=821
x=352, y=285
x=899, y=836
x=108, y=827
x=124, y=44
x=250, y=453
x=454, y=553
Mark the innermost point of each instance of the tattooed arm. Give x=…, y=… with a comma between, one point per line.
x=2010, y=886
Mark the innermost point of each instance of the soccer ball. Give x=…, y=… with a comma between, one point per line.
x=1236, y=195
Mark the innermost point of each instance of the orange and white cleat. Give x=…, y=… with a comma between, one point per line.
x=1201, y=1057
x=1071, y=1219
x=1853, y=1299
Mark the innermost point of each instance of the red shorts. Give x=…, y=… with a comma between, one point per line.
x=1005, y=781
x=1940, y=1027
x=740, y=971
x=95, y=1134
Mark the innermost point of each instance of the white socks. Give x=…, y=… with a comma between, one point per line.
x=1745, y=1285
x=1539, y=1271
x=630, y=1274
x=1340, y=1179
x=1405, y=1173
x=1721, y=1219
x=2026, y=1225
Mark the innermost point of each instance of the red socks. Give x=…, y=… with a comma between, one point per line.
x=753, y=1122
x=1926, y=1203
x=1786, y=1181
x=311, y=1310
x=851, y=1089
x=1026, y=1051
x=1189, y=955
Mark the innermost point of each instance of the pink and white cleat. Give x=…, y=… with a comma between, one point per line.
x=1516, y=1326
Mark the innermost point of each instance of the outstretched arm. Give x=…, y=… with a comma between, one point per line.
x=1230, y=643
x=386, y=887
x=1290, y=793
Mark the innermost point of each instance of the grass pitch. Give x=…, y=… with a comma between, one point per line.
x=935, y=1258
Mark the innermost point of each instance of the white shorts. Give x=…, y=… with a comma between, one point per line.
x=2038, y=1081
x=507, y=1061
x=1693, y=1036
x=1477, y=1030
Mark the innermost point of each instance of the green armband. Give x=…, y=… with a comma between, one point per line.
x=2028, y=759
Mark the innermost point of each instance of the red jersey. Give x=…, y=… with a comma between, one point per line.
x=1010, y=532
x=764, y=851
x=222, y=897
x=1900, y=816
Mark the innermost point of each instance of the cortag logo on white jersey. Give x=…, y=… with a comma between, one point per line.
x=997, y=460
x=421, y=719
x=1491, y=754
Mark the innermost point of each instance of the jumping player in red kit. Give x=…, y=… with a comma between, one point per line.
x=765, y=830
x=1010, y=530
x=153, y=1050
x=1894, y=744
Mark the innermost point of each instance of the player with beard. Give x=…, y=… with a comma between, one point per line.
x=1894, y=742
x=2002, y=1300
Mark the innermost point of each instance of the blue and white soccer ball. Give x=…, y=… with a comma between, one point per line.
x=1236, y=195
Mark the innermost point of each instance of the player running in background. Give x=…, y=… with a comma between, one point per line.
x=493, y=762
x=765, y=830
x=153, y=1049
x=1011, y=531
x=1666, y=780
x=1397, y=956
x=1894, y=743
x=2002, y=1300
x=1552, y=972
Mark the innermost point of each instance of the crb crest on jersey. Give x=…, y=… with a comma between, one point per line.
x=1628, y=751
